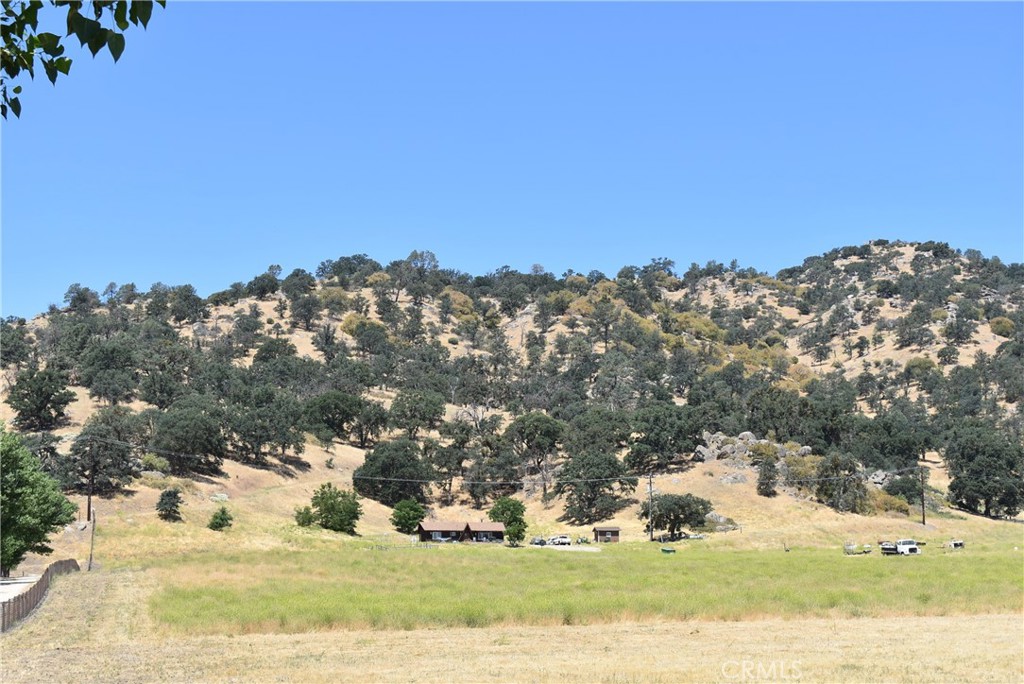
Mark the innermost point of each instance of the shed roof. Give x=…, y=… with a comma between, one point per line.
x=607, y=529
x=486, y=526
x=442, y=526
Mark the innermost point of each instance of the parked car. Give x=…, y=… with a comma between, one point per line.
x=560, y=540
x=538, y=541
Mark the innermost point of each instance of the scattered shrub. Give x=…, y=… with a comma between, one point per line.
x=767, y=477
x=335, y=509
x=882, y=502
x=169, y=505
x=304, y=516
x=220, y=520
x=407, y=516
x=154, y=462
x=1002, y=326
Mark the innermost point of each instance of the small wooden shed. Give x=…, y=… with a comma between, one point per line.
x=441, y=530
x=606, y=534
x=485, y=532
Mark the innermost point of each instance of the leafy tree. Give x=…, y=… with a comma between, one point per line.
x=594, y=483
x=103, y=458
x=39, y=398
x=109, y=369
x=335, y=509
x=535, y=437
x=840, y=484
x=511, y=512
x=266, y=417
x=393, y=471
x=660, y=432
x=190, y=435
x=24, y=43
x=306, y=311
x=15, y=343
x=333, y=414
x=298, y=283
x=413, y=410
x=168, y=507
x=220, y=520
x=264, y=285
x=907, y=487
x=369, y=423
x=273, y=349
x=767, y=477
x=598, y=428
x=986, y=468
x=326, y=342
x=407, y=516
x=31, y=505
x=447, y=462
x=673, y=512
x=186, y=305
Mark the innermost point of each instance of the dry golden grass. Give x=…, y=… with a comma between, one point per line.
x=95, y=628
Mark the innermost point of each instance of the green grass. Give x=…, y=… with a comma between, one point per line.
x=354, y=586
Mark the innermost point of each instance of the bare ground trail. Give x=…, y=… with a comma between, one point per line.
x=94, y=627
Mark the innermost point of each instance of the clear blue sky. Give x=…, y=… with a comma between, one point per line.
x=587, y=136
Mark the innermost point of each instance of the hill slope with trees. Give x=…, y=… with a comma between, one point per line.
x=460, y=389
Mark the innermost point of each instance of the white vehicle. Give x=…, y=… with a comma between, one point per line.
x=560, y=540
x=907, y=547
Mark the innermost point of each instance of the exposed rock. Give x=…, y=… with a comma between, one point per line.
x=152, y=473
x=733, y=478
x=804, y=451
x=716, y=518
x=219, y=497
x=747, y=437
x=880, y=478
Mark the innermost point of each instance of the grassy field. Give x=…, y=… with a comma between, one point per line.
x=97, y=627
x=355, y=586
x=268, y=601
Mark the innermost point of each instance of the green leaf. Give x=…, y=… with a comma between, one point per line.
x=143, y=11
x=30, y=14
x=50, y=42
x=72, y=13
x=97, y=42
x=17, y=90
x=121, y=14
x=86, y=30
x=16, y=107
x=63, y=65
x=115, y=43
x=51, y=70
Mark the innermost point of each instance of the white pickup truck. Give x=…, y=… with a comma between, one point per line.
x=901, y=547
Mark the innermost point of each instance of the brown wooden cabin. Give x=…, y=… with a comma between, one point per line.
x=485, y=531
x=441, y=530
x=607, y=534
x=450, y=531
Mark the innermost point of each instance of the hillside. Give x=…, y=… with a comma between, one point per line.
x=881, y=357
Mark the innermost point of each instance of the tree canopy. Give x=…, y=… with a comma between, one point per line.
x=31, y=505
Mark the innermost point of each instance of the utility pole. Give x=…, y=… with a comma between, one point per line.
x=921, y=471
x=650, y=504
